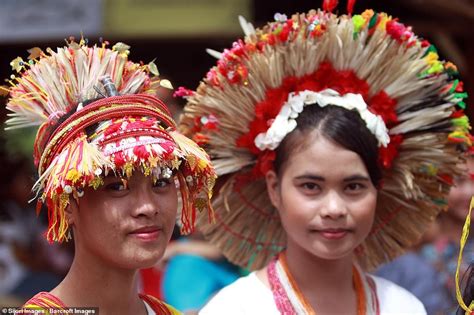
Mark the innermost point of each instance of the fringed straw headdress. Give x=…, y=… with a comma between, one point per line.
x=410, y=100
x=97, y=113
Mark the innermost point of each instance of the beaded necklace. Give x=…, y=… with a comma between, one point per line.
x=290, y=300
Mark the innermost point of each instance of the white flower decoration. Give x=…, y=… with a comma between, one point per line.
x=285, y=122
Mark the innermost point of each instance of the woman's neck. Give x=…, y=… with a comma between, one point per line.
x=91, y=282
x=326, y=284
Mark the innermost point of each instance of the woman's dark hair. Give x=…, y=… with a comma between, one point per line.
x=344, y=127
x=468, y=294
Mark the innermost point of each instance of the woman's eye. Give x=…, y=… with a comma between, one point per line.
x=162, y=182
x=117, y=186
x=310, y=186
x=353, y=187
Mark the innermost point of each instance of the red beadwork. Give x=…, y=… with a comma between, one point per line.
x=136, y=105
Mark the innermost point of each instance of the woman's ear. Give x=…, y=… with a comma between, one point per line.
x=273, y=188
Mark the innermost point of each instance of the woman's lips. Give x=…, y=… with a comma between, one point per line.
x=333, y=234
x=149, y=233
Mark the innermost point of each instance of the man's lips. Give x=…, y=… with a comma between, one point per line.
x=147, y=233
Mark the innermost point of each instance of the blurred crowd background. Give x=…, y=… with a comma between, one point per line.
x=177, y=33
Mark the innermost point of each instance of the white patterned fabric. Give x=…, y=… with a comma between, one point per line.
x=250, y=296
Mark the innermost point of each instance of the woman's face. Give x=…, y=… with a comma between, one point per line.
x=325, y=199
x=127, y=226
x=460, y=194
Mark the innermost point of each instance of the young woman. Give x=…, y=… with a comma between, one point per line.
x=110, y=164
x=340, y=157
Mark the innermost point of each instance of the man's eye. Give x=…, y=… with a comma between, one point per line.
x=162, y=182
x=117, y=186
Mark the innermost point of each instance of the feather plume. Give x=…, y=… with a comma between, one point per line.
x=247, y=27
x=58, y=82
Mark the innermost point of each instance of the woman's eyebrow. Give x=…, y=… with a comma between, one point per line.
x=311, y=177
x=322, y=179
x=356, y=177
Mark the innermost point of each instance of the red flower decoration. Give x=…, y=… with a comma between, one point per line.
x=388, y=154
x=344, y=81
x=381, y=104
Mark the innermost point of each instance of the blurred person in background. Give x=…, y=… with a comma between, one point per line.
x=28, y=264
x=429, y=270
x=194, y=270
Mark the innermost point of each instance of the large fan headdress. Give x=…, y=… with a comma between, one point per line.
x=416, y=99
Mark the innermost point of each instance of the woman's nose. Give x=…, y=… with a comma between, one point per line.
x=333, y=206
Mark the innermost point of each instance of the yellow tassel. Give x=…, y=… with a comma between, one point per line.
x=464, y=236
x=78, y=159
x=189, y=147
x=93, y=158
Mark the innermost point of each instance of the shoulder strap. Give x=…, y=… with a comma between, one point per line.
x=160, y=307
x=44, y=300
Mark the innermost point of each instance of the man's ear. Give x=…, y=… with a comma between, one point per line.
x=273, y=188
x=71, y=210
